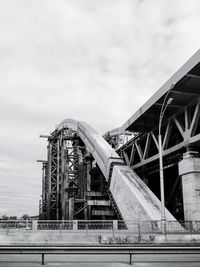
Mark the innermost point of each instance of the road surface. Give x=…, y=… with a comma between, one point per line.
x=100, y=260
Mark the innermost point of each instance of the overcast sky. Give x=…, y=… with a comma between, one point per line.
x=91, y=60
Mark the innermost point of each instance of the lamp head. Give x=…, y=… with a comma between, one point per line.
x=169, y=101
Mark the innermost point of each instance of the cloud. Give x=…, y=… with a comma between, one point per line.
x=96, y=61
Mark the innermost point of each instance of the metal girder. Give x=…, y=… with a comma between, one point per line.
x=132, y=154
x=62, y=170
x=44, y=190
x=98, y=203
x=185, y=123
x=53, y=175
x=147, y=145
x=103, y=213
x=183, y=87
x=171, y=105
x=73, y=170
x=167, y=134
x=184, y=93
x=126, y=158
x=69, y=176
x=43, y=200
x=193, y=76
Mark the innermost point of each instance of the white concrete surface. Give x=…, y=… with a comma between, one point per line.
x=47, y=237
x=134, y=199
x=189, y=169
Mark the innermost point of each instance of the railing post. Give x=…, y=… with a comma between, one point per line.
x=34, y=225
x=195, y=226
x=130, y=261
x=75, y=225
x=27, y=223
x=139, y=231
x=191, y=227
x=43, y=259
x=115, y=226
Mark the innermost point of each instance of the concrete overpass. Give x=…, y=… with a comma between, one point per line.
x=74, y=187
x=180, y=139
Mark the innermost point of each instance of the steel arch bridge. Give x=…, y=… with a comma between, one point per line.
x=115, y=176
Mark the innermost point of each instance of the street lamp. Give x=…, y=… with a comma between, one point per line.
x=162, y=193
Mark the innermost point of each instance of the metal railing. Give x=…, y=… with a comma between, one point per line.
x=16, y=224
x=176, y=251
x=54, y=225
x=131, y=227
x=95, y=225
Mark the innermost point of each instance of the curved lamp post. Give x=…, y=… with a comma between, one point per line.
x=162, y=193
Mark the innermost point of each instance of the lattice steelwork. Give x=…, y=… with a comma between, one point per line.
x=73, y=169
x=70, y=172
x=71, y=188
x=179, y=131
x=60, y=176
x=53, y=178
x=74, y=188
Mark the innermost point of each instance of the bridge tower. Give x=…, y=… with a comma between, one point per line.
x=73, y=185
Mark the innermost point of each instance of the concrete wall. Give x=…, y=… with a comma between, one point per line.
x=56, y=238
x=47, y=237
x=134, y=199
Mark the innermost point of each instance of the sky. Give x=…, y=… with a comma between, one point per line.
x=91, y=60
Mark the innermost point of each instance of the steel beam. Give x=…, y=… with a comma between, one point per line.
x=187, y=132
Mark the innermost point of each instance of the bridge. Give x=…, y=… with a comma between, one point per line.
x=93, y=177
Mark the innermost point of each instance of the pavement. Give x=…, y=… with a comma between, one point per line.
x=100, y=260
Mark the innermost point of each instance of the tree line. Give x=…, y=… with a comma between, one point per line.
x=24, y=217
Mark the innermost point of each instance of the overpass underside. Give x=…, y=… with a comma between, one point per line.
x=180, y=132
x=180, y=135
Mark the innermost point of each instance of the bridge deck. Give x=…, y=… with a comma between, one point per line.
x=184, y=89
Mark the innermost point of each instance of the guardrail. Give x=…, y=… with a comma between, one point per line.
x=99, y=250
x=114, y=226
x=16, y=224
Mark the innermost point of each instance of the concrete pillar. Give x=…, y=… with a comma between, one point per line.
x=189, y=170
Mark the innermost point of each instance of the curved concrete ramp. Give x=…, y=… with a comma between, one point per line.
x=132, y=196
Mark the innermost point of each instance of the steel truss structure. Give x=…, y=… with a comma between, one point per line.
x=71, y=187
x=180, y=126
x=53, y=178
x=43, y=202
x=60, y=174
x=179, y=131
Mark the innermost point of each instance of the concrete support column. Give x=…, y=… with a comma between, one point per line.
x=189, y=170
